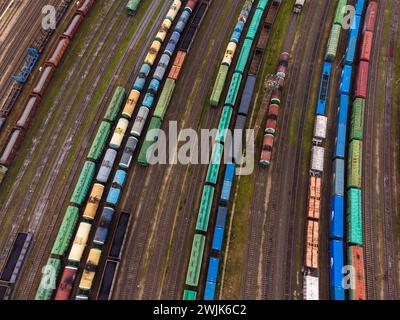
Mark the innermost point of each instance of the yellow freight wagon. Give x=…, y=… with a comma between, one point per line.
x=93, y=202
x=90, y=269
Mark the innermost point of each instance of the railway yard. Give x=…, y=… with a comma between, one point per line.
x=309, y=210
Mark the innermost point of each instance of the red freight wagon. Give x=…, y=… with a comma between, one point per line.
x=356, y=258
x=66, y=284
x=9, y=151
x=58, y=51
x=44, y=79
x=174, y=73
x=366, y=45
x=73, y=26
x=192, y=4
x=84, y=6
x=266, y=153
x=29, y=111
x=362, y=80
x=180, y=58
x=370, y=18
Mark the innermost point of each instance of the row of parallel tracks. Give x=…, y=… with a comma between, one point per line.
x=47, y=200
x=285, y=215
x=163, y=198
x=22, y=35
x=378, y=167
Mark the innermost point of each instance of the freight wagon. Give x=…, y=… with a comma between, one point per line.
x=132, y=6
x=129, y=150
x=50, y=273
x=107, y=280
x=116, y=188
x=66, y=284
x=352, y=41
x=356, y=259
x=10, y=149
x=66, y=231
x=28, y=113
x=104, y=225
x=106, y=166
x=196, y=258
x=93, y=202
x=80, y=242
x=336, y=267
x=83, y=185
x=119, y=237
x=90, y=269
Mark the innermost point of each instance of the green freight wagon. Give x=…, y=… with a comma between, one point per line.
x=99, y=143
x=151, y=137
x=165, y=99
x=3, y=172
x=215, y=163
x=132, y=6
x=49, y=279
x=354, y=217
x=219, y=85
x=84, y=183
x=354, y=179
x=357, y=120
x=205, y=208
x=255, y=23
x=233, y=90
x=244, y=56
x=196, y=258
x=224, y=122
x=262, y=4
x=189, y=295
x=333, y=42
x=66, y=231
x=339, y=14
x=115, y=105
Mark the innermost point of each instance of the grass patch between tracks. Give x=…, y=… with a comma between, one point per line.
x=239, y=231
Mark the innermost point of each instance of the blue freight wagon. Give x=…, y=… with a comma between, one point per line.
x=209, y=291
x=213, y=270
x=116, y=188
x=228, y=181
x=323, y=90
x=352, y=41
x=360, y=7
x=338, y=177
x=141, y=78
x=345, y=81
x=336, y=267
x=337, y=217
x=102, y=230
x=171, y=46
x=217, y=240
x=221, y=217
x=340, y=146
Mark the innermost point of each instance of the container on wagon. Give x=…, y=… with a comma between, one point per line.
x=93, y=202
x=90, y=269
x=80, y=242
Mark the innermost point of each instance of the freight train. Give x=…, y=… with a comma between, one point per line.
x=88, y=175
x=199, y=240
x=17, y=134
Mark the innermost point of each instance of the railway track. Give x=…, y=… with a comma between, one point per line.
x=279, y=206
x=123, y=28
x=174, y=207
x=384, y=181
x=388, y=173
